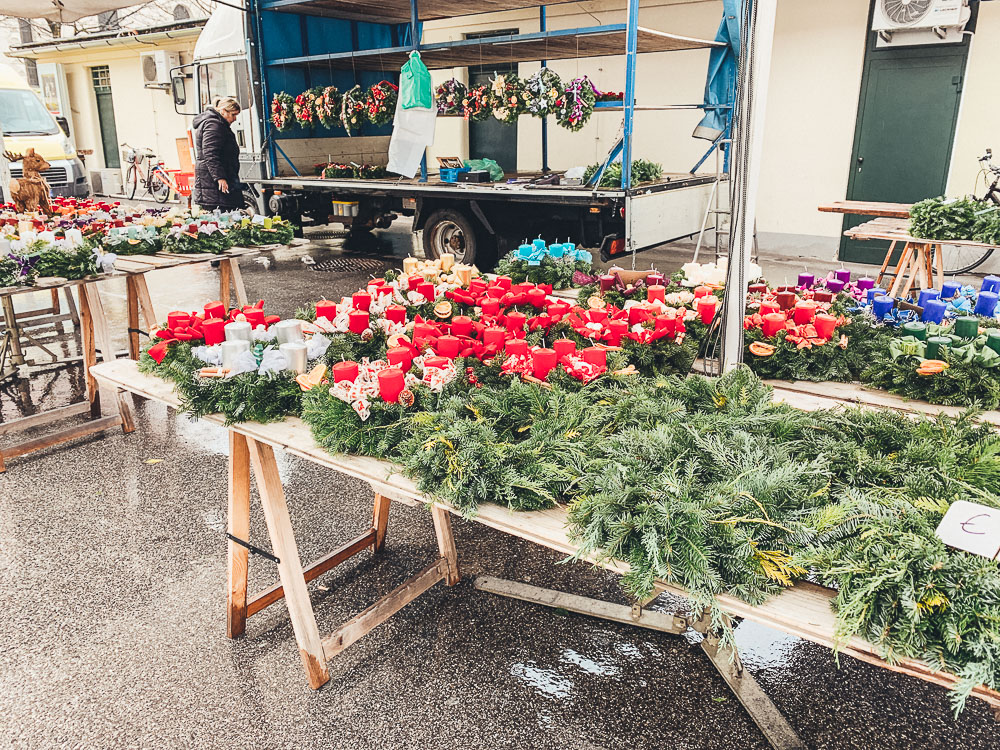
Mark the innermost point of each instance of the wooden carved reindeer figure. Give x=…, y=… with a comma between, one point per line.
x=30, y=192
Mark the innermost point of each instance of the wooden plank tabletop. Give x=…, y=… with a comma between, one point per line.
x=868, y=208
x=899, y=230
x=803, y=610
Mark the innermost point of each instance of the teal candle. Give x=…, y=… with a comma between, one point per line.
x=936, y=346
x=967, y=327
x=993, y=340
x=556, y=251
x=915, y=329
x=524, y=251
x=539, y=243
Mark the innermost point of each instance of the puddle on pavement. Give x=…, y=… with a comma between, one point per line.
x=548, y=682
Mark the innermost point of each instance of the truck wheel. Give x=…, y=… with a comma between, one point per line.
x=449, y=231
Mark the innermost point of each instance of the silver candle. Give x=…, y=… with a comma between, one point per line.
x=288, y=331
x=295, y=353
x=231, y=350
x=239, y=330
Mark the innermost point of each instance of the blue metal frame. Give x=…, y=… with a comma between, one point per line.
x=267, y=134
x=542, y=26
x=631, y=49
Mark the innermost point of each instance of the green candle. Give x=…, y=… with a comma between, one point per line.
x=967, y=327
x=993, y=340
x=936, y=346
x=916, y=329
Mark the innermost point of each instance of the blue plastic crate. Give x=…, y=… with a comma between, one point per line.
x=450, y=174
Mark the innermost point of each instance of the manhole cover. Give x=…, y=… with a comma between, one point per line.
x=328, y=234
x=350, y=265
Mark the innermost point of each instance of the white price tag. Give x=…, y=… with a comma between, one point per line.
x=971, y=527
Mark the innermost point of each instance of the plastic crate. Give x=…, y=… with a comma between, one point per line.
x=450, y=174
x=185, y=182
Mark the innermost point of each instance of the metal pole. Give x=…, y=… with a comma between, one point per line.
x=631, y=45
x=748, y=142
x=414, y=25
x=545, y=120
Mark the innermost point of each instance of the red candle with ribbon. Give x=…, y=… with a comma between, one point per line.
x=768, y=306
x=516, y=348
x=773, y=323
x=786, y=300
x=638, y=315
x=361, y=301
x=435, y=363
x=477, y=287
x=357, y=321
x=543, y=361
x=422, y=332
x=461, y=325
x=822, y=295
x=215, y=310
x=606, y=281
x=666, y=322
x=656, y=293
x=536, y=297
x=598, y=316
x=395, y=313
x=825, y=325
x=413, y=282
x=494, y=336
x=757, y=289
x=523, y=288
x=254, y=316
x=384, y=289
x=701, y=291
x=515, y=321
x=804, y=312
x=491, y=306
x=347, y=370
x=391, y=382
x=214, y=331
x=504, y=282
x=448, y=346
x=563, y=347
x=706, y=309
x=617, y=329
x=427, y=291
x=401, y=357
x=595, y=355
x=496, y=292
x=179, y=319
x=326, y=309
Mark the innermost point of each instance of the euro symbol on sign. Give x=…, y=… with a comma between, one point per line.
x=970, y=522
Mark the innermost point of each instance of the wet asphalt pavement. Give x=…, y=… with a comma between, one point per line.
x=112, y=609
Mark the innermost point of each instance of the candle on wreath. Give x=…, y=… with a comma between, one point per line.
x=412, y=282
x=516, y=348
x=950, y=289
x=654, y=278
x=598, y=315
x=786, y=300
x=395, y=313
x=757, y=289
x=214, y=331
x=490, y=306
x=825, y=325
x=178, y=319
x=804, y=312
x=606, y=281
x=400, y=356
x=426, y=290
x=357, y=321
x=495, y=292
x=215, y=310
x=936, y=346
x=823, y=295
x=882, y=306
x=536, y=297
x=835, y=285
x=515, y=321
x=934, y=311
x=656, y=293
x=865, y=283
x=422, y=332
x=326, y=309
x=843, y=275
x=773, y=323
x=986, y=304
x=384, y=289
x=361, y=301
x=231, y=349
x=461, y=325
x=926, y=295
x=464, y=274
x=346, y=370
x=768, y=306
x=706, y=309
x=702, y=291
x=990, y=284
x=556, y=250
x=638, y=314
x=409, y=265
x=448, y=346
x=616, y=329
x=238, y=330
x=806, y=280
x=504, y=282
x=595, y=355
x=254, y=316
x=543, y=361
x=563, y=347
x=966, y=326
x=391, y=382
x=435, y=363
x=478, y=286
x=295, y=355
x=914, y=328
x=494, y=336
x=666, y=322
x=447, y=261
x=993, y=340
x=288, y=331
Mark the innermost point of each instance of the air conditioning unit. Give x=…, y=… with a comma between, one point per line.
x=910, y=22
x=156, y=68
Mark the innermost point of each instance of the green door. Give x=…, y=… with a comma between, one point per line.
x=906, y=126
x=101, y=78
x=492, y=139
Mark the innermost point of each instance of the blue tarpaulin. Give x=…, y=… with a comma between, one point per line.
x=720, y=87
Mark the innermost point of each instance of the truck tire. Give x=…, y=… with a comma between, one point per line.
x=450, y=231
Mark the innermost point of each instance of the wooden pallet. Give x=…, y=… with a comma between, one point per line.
x=868, y=208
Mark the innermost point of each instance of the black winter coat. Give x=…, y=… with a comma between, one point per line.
x=217, y=158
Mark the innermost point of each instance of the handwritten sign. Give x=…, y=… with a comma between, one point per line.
x=971, y=527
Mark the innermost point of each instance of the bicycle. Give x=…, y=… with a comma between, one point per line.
x=157, y=181
x=965, y=257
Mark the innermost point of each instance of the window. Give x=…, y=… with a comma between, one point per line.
x=101, y=76
x=21, y=113
x=216, y=80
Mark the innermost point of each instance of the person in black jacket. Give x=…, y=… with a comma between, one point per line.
x=217, y=157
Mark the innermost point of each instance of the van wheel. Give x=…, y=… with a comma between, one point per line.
x=449, y=231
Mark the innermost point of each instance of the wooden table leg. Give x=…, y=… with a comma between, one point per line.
x=10, y=323
x=145, y=301
x=913, y=274
x=939, y=258
x=239, y=526
x=904, y=262
x=132, y=303
x=885, y=263
x=74, y=314
x=229, y=271
x=89, y=352
x=380, y=521
x=446, y=543
x=102, y=334
x=279, y=527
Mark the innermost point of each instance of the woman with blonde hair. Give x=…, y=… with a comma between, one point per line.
x=217, y=157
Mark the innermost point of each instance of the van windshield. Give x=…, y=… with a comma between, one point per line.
x=21, y=113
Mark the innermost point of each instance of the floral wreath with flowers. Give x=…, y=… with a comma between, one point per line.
x=352, y=109
x=508, y=98
x=448, y=97
x=380, y=102
x=543, y=88
x=476, y=103
x=304, y=107
x=576, y=105
x=281, y=111
x=328, y=107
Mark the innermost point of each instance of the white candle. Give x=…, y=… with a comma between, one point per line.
x=447, y=261
x=231, y=350
x=74, y=237
x=288, y=331
x=295, y=353
x=239, y=330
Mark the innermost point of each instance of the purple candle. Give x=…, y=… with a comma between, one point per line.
x=865, y=283
x=843, y=275
x=835, y=285
x=806, y=280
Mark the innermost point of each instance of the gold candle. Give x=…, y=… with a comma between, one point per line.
x=409, y=265
x=447, y=261
x=464, y=274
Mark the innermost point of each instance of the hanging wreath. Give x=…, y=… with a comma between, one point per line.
x=543, y=89
x=380, y=103
x=304, y=107
x=328, y=107
x=576, y=105
x=352, y=109
x=508, y=98
x=476, y=103
x=281, y=111
x=448, y=97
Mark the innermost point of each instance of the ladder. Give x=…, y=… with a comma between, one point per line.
x=720, y=213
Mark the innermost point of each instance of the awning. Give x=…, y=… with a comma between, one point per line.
x=65, y=11
x=720, y=87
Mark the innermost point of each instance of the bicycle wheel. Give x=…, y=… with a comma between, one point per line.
x=158, y=187
x=959, y=259
x=131, y=181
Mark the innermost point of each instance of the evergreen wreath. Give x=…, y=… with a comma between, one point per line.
x=508, y=97
x=352, y=109
x=281, y=111
x=304, y=107
x=71, y=263
x=448, y=97
x=254, y=234
x=380, y=103
x=204, y=240
x=328, y=107
x=476, y=103
x=544, y=88
x=576, y=104
x=555, y=271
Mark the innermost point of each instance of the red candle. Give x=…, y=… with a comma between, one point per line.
x=215, y=310
x=536, y=297
x=656, y=293
x=666, y=322
x=825, y=325
x=523, y=288
x=504, y=282
x=448, y=346
x=598, y=316
x=390, y=384
x=179, y=320
x=362, y=301
x=401, y=357
x=494, y=336
x=638, y=314
x=477, y=287
x=395, y=313
x=768, y=306
x=376, y=282
x=595, y=355
x=515, y=321
x=427, y=290
x=413, y=282
x=556, y=308
x=357, y=321
x=563, y=347
x=461, y=326
x=701, y=291
x=786, y=300
x=384, y=289
x=435, y=363
x=254, y=316
x=543, y=361
x=757, y=289
x=706, y=308
x=773, y=323
x=804, y=312
x=422, y=332
x=822, y=295
x=607, y=281
x=496, y=292
x=326, y=309
x=654, y=278
x=617, y=328
x=491, y=306
x=516, y=347
x=345, y=371
x=214, y=330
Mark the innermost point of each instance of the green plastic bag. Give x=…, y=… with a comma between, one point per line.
x=496, y=173
x=415, y=84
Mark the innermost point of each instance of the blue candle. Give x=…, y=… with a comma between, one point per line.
x=986, y=304
x=569, y=248
x=991, y=284
x=539, y=243
x=585, y=256
x=934, y=311
x=873, y=293
x=556, y=251
x=949, y=289
x=524, y=251
x=882, y=306
x=926, y=295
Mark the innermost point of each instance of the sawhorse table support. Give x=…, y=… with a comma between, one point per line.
x=916, y=267
x=245, y=454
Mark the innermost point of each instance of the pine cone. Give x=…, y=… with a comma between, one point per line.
x=367, y=335
x=406, y=398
